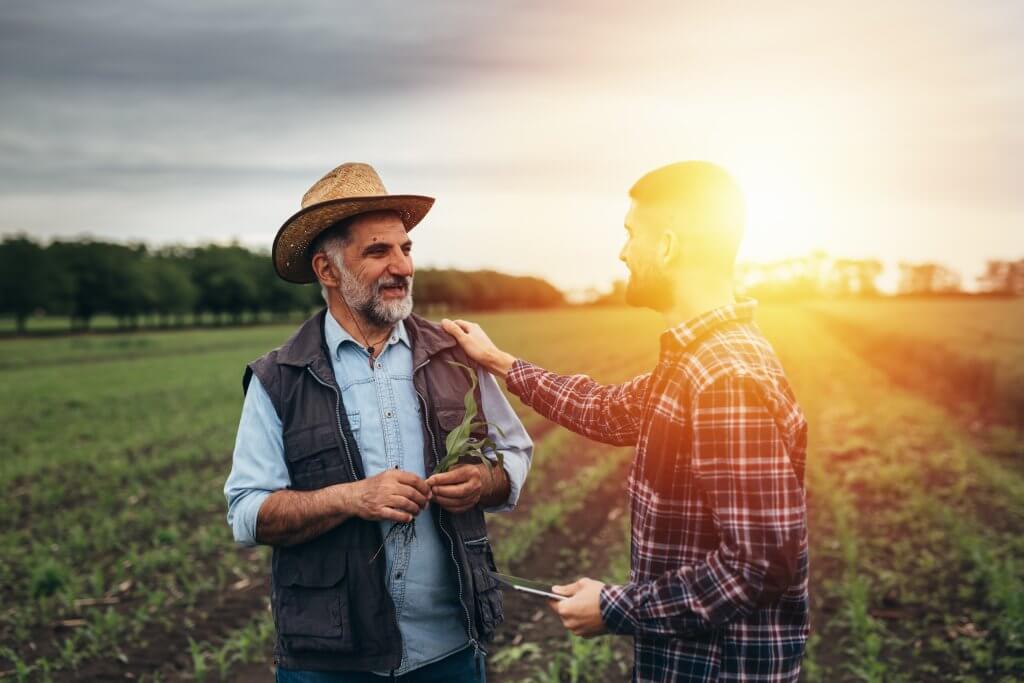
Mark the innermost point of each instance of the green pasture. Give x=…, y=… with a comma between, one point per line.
x=117, y=445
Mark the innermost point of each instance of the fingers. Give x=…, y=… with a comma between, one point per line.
x=459, y=328
x=413, y=494
x=452, y=328
x=457, y=491
x=402, y=503
x=410, y=479
x=443, y=478
x=568, y=589
x=391, y=515
x=457, y=475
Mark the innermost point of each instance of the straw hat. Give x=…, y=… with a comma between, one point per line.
x=348, y=190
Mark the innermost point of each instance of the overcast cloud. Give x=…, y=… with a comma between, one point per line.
x=892, y=132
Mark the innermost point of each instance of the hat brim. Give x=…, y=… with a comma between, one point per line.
x=291, y=245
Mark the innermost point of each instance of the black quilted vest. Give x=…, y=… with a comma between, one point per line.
x=331, y=606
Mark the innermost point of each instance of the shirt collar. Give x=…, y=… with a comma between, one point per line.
x=683, y=335
x=335, y=335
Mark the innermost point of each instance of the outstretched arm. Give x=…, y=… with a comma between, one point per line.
x=606, y=413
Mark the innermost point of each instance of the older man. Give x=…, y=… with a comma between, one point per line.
x=718, y=588
x=339, y=430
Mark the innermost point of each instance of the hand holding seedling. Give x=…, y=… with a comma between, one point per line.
x=392, y=495
x=460, y=488
x=460, y=483
x=478, y=346
x=581, y=612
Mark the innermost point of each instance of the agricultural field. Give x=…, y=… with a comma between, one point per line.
x=118, y=564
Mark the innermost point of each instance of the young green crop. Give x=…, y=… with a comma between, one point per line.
x=460, y=446
x=460, y=442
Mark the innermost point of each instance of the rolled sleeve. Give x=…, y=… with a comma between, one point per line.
x=507, y=431
x=257, y=464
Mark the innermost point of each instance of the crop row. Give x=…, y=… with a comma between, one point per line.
x=120, y=537
x=915, y=530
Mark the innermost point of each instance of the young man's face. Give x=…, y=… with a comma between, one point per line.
x=377, y=278
x=650, y=282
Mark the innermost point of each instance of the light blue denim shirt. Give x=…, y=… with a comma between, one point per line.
x=384, y=414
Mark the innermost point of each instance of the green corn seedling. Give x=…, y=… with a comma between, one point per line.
x=461, y=443
x=460, y=446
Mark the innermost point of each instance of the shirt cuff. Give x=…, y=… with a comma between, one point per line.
x=617, y=610
x=243, y=516
x=520, y=378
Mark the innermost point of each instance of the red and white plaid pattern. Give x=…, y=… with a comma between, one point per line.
x=718, y=586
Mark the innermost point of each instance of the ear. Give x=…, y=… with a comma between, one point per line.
x=325, y=271
x=668, y=247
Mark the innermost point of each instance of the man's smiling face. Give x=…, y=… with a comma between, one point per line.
x=377, y=276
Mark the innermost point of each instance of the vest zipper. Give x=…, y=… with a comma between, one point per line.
x=477, y=648
x=337, y=413
x=344, y=441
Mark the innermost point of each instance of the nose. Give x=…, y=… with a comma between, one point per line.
x=401, y=265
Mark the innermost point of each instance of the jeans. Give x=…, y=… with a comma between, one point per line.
x=461, y=667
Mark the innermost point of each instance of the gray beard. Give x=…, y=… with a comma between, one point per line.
x=367, y=301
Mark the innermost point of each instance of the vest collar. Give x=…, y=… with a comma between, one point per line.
x=307, y=345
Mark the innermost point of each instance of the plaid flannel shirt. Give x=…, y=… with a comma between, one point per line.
x=718, y=581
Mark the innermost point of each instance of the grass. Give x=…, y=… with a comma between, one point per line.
x=117, y=445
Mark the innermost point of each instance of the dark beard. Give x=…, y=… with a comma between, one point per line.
x=650, y=290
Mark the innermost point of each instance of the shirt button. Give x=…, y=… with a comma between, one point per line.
x=379, y=366
x=388, y=413
x=398, y=575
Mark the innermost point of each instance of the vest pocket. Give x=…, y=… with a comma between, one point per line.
x=486, y=590
x=313, y=457
x=313, y=607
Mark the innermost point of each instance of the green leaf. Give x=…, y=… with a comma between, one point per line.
x=460, y=442
x=457, y=438
x=469, y=401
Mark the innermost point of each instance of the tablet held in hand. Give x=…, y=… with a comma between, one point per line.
x=537, y=588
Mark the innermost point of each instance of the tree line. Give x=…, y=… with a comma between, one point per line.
x=820, y=275
x=224, y=283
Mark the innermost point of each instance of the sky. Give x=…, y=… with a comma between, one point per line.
x=888, y=130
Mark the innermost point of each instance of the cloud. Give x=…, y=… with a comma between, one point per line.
x=137, y=118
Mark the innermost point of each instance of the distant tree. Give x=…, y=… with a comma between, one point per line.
x=927, y=278
x=171, y=287
x=84, y=278
x=856, y=276
x=225, y=280
x=131, y=285
x=89, y=266
x=280, y=297
x=1003, y=277
x=26, y=279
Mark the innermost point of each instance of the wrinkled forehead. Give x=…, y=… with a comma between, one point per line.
x=379, y=226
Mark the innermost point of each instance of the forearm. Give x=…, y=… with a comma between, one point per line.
x=496, y=486
x=606, y=413
x=289, y=517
